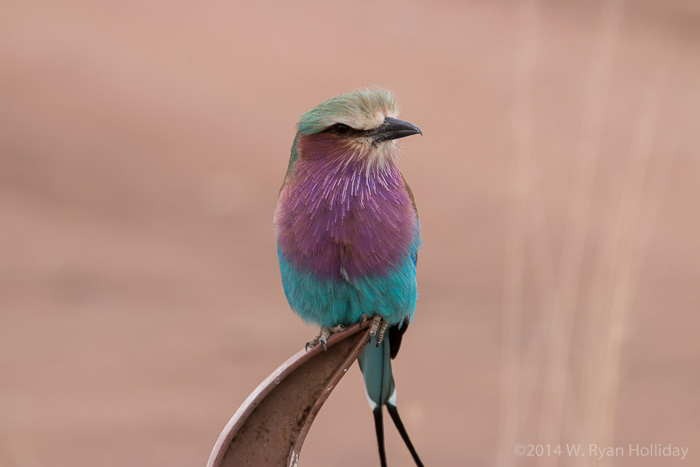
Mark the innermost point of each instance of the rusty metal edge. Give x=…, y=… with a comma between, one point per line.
x=264, y=388
x=294, y=453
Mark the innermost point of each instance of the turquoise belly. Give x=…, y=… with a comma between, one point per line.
x=328, y=302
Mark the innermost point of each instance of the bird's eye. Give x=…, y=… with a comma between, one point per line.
x=341, y=129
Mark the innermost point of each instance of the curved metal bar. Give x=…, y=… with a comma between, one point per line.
x=333, y=381
x=271, y=425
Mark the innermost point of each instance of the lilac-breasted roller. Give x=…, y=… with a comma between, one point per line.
x=348, y=233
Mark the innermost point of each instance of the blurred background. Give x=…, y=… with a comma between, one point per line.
x=142, y=146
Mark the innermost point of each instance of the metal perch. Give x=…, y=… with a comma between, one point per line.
x=271, y=426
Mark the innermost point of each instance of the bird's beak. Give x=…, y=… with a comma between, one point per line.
x=393, y=128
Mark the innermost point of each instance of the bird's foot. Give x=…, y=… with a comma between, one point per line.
x=378, y=328
x=323, y=336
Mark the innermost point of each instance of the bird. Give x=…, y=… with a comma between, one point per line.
x=348, y=234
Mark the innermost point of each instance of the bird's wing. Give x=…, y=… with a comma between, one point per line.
x=395, y=336
x=415, y=209
x=396, y=332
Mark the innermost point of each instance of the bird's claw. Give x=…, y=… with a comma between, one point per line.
x=382, y=331
x=376, y=321
x=378, y=328
x=323, y=336
x=338, y=328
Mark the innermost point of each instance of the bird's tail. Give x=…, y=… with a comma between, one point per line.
x=375, y=363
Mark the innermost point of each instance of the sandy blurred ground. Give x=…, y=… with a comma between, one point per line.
x=142, y=145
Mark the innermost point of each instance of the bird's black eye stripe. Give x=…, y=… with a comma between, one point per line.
x=340, y=129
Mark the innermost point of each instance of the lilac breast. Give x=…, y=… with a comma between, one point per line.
x=335, y=217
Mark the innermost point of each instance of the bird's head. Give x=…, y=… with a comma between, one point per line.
x=361, y=125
